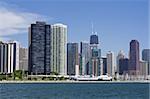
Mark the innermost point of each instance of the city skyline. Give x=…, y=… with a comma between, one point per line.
x=129, y=20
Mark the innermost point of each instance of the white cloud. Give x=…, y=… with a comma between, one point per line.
x=14, y=22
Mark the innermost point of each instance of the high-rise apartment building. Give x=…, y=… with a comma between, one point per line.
x=143, y=68
x=58, y=48
x=72, y=58
x=84, y=58
x=23, y=59
x=39, y=48
x=110, y=63
x=134, y=58
x=9, y=56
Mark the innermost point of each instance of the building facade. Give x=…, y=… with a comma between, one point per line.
x=84, y=58
x=58, y=48
x=144, y=68
x=23, y=59
x=123, y=66
x=146, y=57
x=95, y=56
x=104, y=65
x=39, y=48
x=9, y=57
x=110, y=63
x=120, y=55
x=134, y=66
x=72, y=58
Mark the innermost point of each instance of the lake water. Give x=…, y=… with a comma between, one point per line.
x=75, y=91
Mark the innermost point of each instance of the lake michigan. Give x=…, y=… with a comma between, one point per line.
x=74, y=91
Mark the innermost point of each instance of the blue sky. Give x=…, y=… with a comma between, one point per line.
x=116, y=22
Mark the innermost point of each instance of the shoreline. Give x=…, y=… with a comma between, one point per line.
x=24, y=82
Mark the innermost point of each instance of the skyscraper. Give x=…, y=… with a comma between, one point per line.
x=143, y=68
x=95, y=56
x=120, y=55
x=84, y=58
x=110, y=63
x=9, y=56
x=39, y=48
x=72, y=58
x=104, y=65
x=146, y=57
x=134, y=58
x=23, y=59
x=123, y=66
x=58, y=48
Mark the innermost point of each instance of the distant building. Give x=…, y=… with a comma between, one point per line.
x=95, y=56
x=72, y=58
x=104, y=65
x=39, y=48
x=9, y=56
x=123, y=66
x=96, y=62
x=59, y=48
x=23, y=59
x=134, y=58
x=110, y=63
x=84, y=58
x=146, y=57
x=144, y=68
x=120, y=55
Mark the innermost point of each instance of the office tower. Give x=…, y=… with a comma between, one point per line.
x=120, y=55
x=39, y=48
x=134, y=58
x=23, y=59
x=94, y=41
x=110, y=63
x=9, y=56
x=144, y=68
x=95, y=56
x=3, y=57
x=58, y=49
x=72, y=58
x=123, y=66
x=96, y=62
x=146, y=57
x=104, y=65
x=84, y=58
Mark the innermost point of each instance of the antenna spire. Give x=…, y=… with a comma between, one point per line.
x=92, y=28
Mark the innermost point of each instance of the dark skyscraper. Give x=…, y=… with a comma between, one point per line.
x=95, y=56
x=134, y=58
x=104, y=66
x=94, y=39
x=39, y=48
x=123, y=65
x=72, y=58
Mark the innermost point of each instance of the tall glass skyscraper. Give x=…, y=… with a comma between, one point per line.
x=72, y=58
x=39, y=48
x=58, y=48
x=84, y=58
x=134, y=58
x=95, y=56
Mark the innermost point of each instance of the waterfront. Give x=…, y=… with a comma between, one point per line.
x=102, y=90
